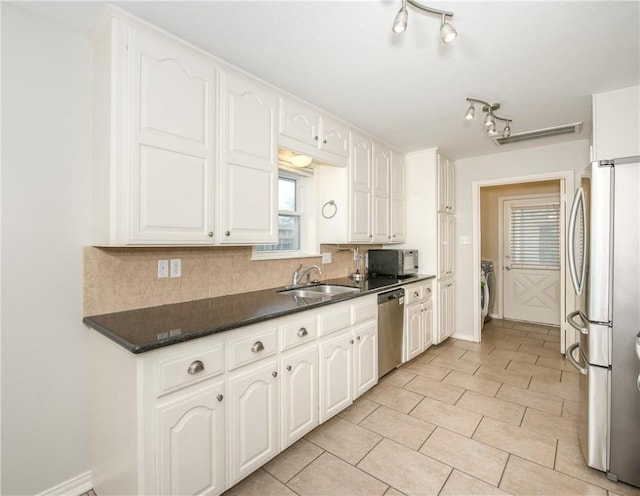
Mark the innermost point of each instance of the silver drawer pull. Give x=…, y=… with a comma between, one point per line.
x=416, y=294
x=302, y=332
x=257, y=346
x=358, y=338
x=274, y=374
x=196, y=367
x=289, y=368
x=219, y=397
x=428, y=290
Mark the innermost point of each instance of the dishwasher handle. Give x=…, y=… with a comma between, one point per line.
x=397, y=294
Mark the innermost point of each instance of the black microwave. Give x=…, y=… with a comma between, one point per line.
x=399, y=263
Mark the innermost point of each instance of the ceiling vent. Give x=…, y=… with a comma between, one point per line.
x=548, y=132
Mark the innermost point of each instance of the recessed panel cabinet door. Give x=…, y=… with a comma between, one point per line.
x=381, y=194
x=361, y=189
x=413, y=329
x=249, y=165
x=335, y=138
x=170, y=143
x=253, y=419
x=365, y=361
x=299, y=123
x=299, y=394
x=191, y=448
x=336, y=371
x=398, y=198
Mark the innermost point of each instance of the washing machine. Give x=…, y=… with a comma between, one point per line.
x=484, y=299
x=486, y=267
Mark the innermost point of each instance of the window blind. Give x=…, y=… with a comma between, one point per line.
x=535, y=235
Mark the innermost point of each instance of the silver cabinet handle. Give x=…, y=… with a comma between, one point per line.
x=210, y=234
x=227, y=233
x=416, y=294
x=257, y=346
x=302, y=332
x=195, y=367
x=574, y=324
x=371, y=235
x=428, y=290
x=315, y=138
x=274, y=374
x=577, y=280
x=572, y=361
x=358, y=338
x=289, y=368
x=219, y=397
x=507, y=268
x=324, y=141
x=351, y=341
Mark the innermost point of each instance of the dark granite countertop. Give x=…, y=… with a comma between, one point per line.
x=146, y=329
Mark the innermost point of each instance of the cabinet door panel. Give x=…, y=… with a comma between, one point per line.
x=335, y=138
x=366, y=358
x=172, y=202
x=253, y=421
x=191, y=444
x=398, y=198
x=381, y=230
x=413, y=326
x=360, y=216
x=249, y=168
x=336, y=368
x=427, y=325
x=170, y=143
x=299, y=123
x=361, y=189
x=299, y=394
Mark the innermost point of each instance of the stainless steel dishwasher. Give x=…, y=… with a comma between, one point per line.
x=390, y=330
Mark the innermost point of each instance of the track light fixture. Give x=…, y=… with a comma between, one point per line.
x=447, y=31
x=490, y=117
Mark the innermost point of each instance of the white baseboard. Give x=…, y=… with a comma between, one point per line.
x=462, y=337
x=72, y=487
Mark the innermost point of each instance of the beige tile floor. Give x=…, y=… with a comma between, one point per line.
x=463, y=418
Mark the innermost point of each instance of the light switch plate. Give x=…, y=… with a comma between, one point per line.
x=175, y=267
x=163, y=268
x=326, y=257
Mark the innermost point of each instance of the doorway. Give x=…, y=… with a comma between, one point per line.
x=488, y=246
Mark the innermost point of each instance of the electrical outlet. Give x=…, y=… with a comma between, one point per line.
x=175, y=264
x=163, y=268
x=326, y=257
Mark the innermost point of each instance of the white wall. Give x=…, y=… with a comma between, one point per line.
x=45, y=182
x=573, y=155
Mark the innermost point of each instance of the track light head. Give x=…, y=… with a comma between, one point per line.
x=489, y=120
x=506, y=132
x=447, y=31
x=471, y=112
x=400, y=22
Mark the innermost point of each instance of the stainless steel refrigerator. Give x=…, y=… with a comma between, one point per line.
x=604, y=262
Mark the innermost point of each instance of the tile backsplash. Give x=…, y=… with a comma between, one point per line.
x=117, y=279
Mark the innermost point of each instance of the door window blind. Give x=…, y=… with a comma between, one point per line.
x=535, y=235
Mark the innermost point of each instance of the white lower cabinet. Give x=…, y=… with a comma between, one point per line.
x=253, y=425
x=336, y=371
x=418, y=320
x=365, y=357
x=299, y=412
x=197, y=417
x=446, y=316
x=191, y=450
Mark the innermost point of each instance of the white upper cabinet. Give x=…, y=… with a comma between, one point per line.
x=361, y=191
x=616, y=124
x=249, y=162
x=381, y=194
x=303, y=129
x=153, y=140
x=398, y=198
x=446, y=185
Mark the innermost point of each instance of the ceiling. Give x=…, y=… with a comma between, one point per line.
x=540, y=60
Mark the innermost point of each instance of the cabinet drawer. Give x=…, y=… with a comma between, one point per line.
x=299, y=332
x=413, y=294
x=251, y=347
x=177, y=372
x=365, y=310
x=427, y=292
x=335, y=319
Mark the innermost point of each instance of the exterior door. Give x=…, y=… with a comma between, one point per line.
x=531, y=251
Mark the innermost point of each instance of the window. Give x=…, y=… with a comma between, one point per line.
x=289, y=215
x=535, y=235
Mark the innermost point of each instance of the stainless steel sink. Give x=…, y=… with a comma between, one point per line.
x=319, y=291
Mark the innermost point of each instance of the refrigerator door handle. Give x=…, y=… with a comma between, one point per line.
x=572, y=361
x=576, y=207
x=581, y=329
